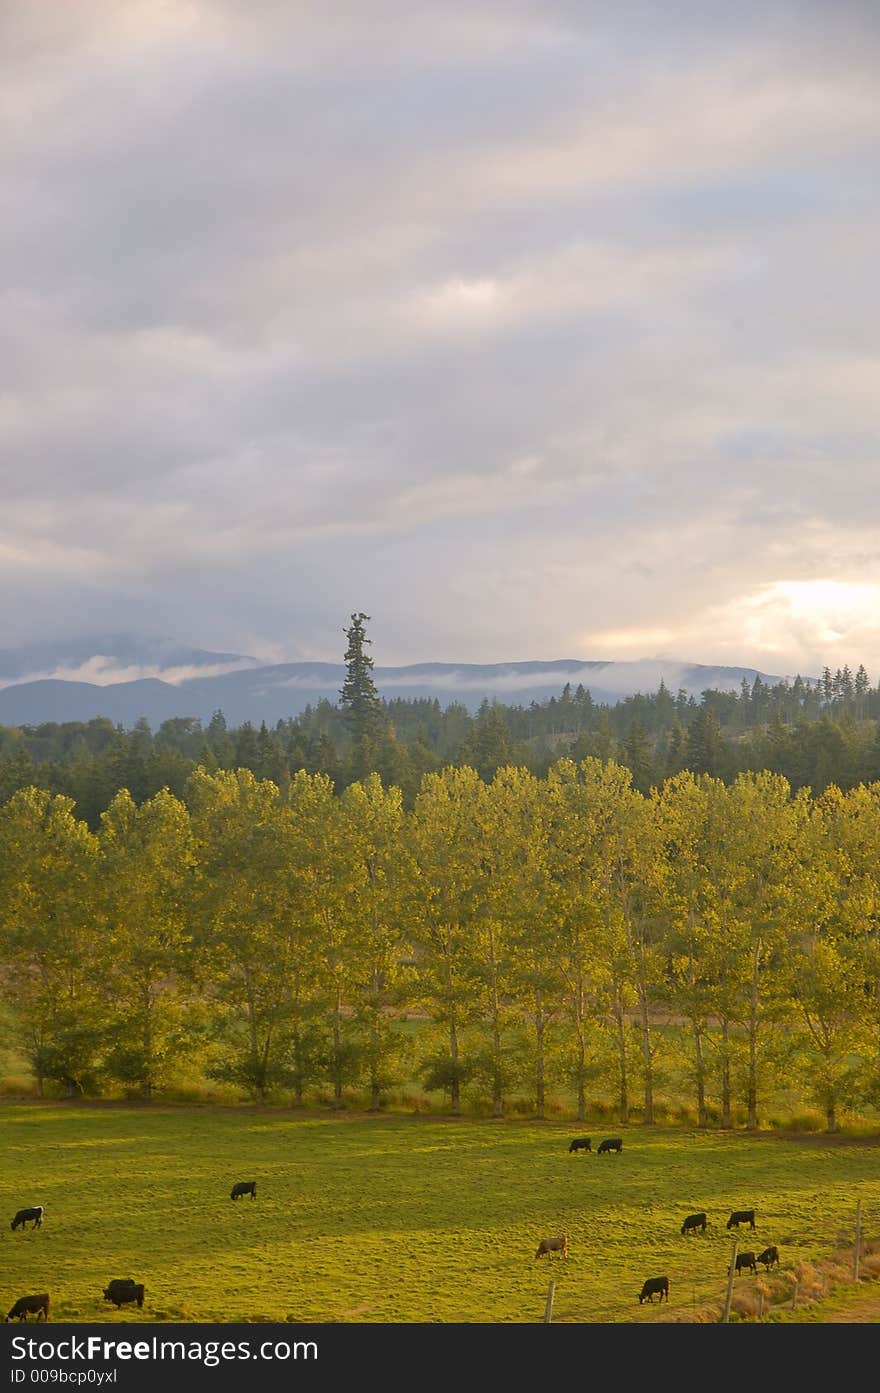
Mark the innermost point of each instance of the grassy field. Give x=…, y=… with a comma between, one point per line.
x=399, y=1219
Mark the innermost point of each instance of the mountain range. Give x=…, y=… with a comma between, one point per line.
x=125, y=678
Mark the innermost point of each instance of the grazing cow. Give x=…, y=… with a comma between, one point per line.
x=122, y=1290
x=244, y=1187
x=581, y=1144
x=610, y=1144
x=694, y=1222
x=746, y=1262
x=653, y=1284
x=769, y=1257
x=557, y=1244
x=26, y=1305
x=33, y=1216
x=741, y=1216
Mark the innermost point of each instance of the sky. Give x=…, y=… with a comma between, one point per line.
x=533, y=329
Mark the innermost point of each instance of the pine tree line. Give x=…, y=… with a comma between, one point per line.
x=813, y=734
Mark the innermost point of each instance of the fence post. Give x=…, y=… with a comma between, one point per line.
x=725, y=1319
x=548, y=1309
x=858, y=1245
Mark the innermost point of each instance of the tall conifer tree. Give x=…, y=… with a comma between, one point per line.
x=358, y=695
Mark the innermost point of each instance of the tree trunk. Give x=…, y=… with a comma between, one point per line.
x=497, y=1077
x=375, y=1051
x=752, y=1087
x=620, y=1022
x=831, y=1097
x=539, y=1054
x=375, y=1007
x=257, y=1070
x=337, y=1052
x=147, y=1079
x=649, y=1067
x=725, y=1074
x=298, y=1066
x=581, y=1058
x=497, y=1074
x=264, y=1063
x=700, y=1076
x=638, y=945
x=454, y=1085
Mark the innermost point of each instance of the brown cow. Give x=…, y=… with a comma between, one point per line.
x=558, y=1244
x=27, y=1305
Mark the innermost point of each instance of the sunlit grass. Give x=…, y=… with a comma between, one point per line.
x=397, y=1219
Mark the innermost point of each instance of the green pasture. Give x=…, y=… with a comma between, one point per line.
x=398, y=1219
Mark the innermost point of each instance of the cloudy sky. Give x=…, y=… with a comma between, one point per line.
x=532, y=328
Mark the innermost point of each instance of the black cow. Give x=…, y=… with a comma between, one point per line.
x=581, y=1144
x=653, y=1284
x=746, y=1262
x=244, y=1187
x=122, y=1290
x=557, y=1244
x=33, y=1216
x=694, y=1222
x=741, y=1216
x=769, y=1257
x=27, y=1305
x=610, y=1144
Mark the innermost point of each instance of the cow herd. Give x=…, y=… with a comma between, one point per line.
x=586, y=1144
x=693, y=1223
x=121, y=1291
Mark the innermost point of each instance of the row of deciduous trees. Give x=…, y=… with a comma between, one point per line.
x=548, y=929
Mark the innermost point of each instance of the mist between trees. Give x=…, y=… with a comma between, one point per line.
x=540, y=938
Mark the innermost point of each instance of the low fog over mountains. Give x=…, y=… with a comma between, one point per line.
x=125, y=678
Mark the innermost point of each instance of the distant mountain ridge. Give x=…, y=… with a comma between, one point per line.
x=104, y=658
x=244, y=690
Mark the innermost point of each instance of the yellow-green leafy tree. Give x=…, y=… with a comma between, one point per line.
x=683, y=814
x=147, y=865
x=574, y=910
x=325, y=873
x=51, y=938
x=611, y=816
x=835, y=958
x=444, y=906
x=249, y=939
x=761, y=901
x=372, y=820
x=514, y=958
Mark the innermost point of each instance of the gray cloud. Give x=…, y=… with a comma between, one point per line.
x=534, y=330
